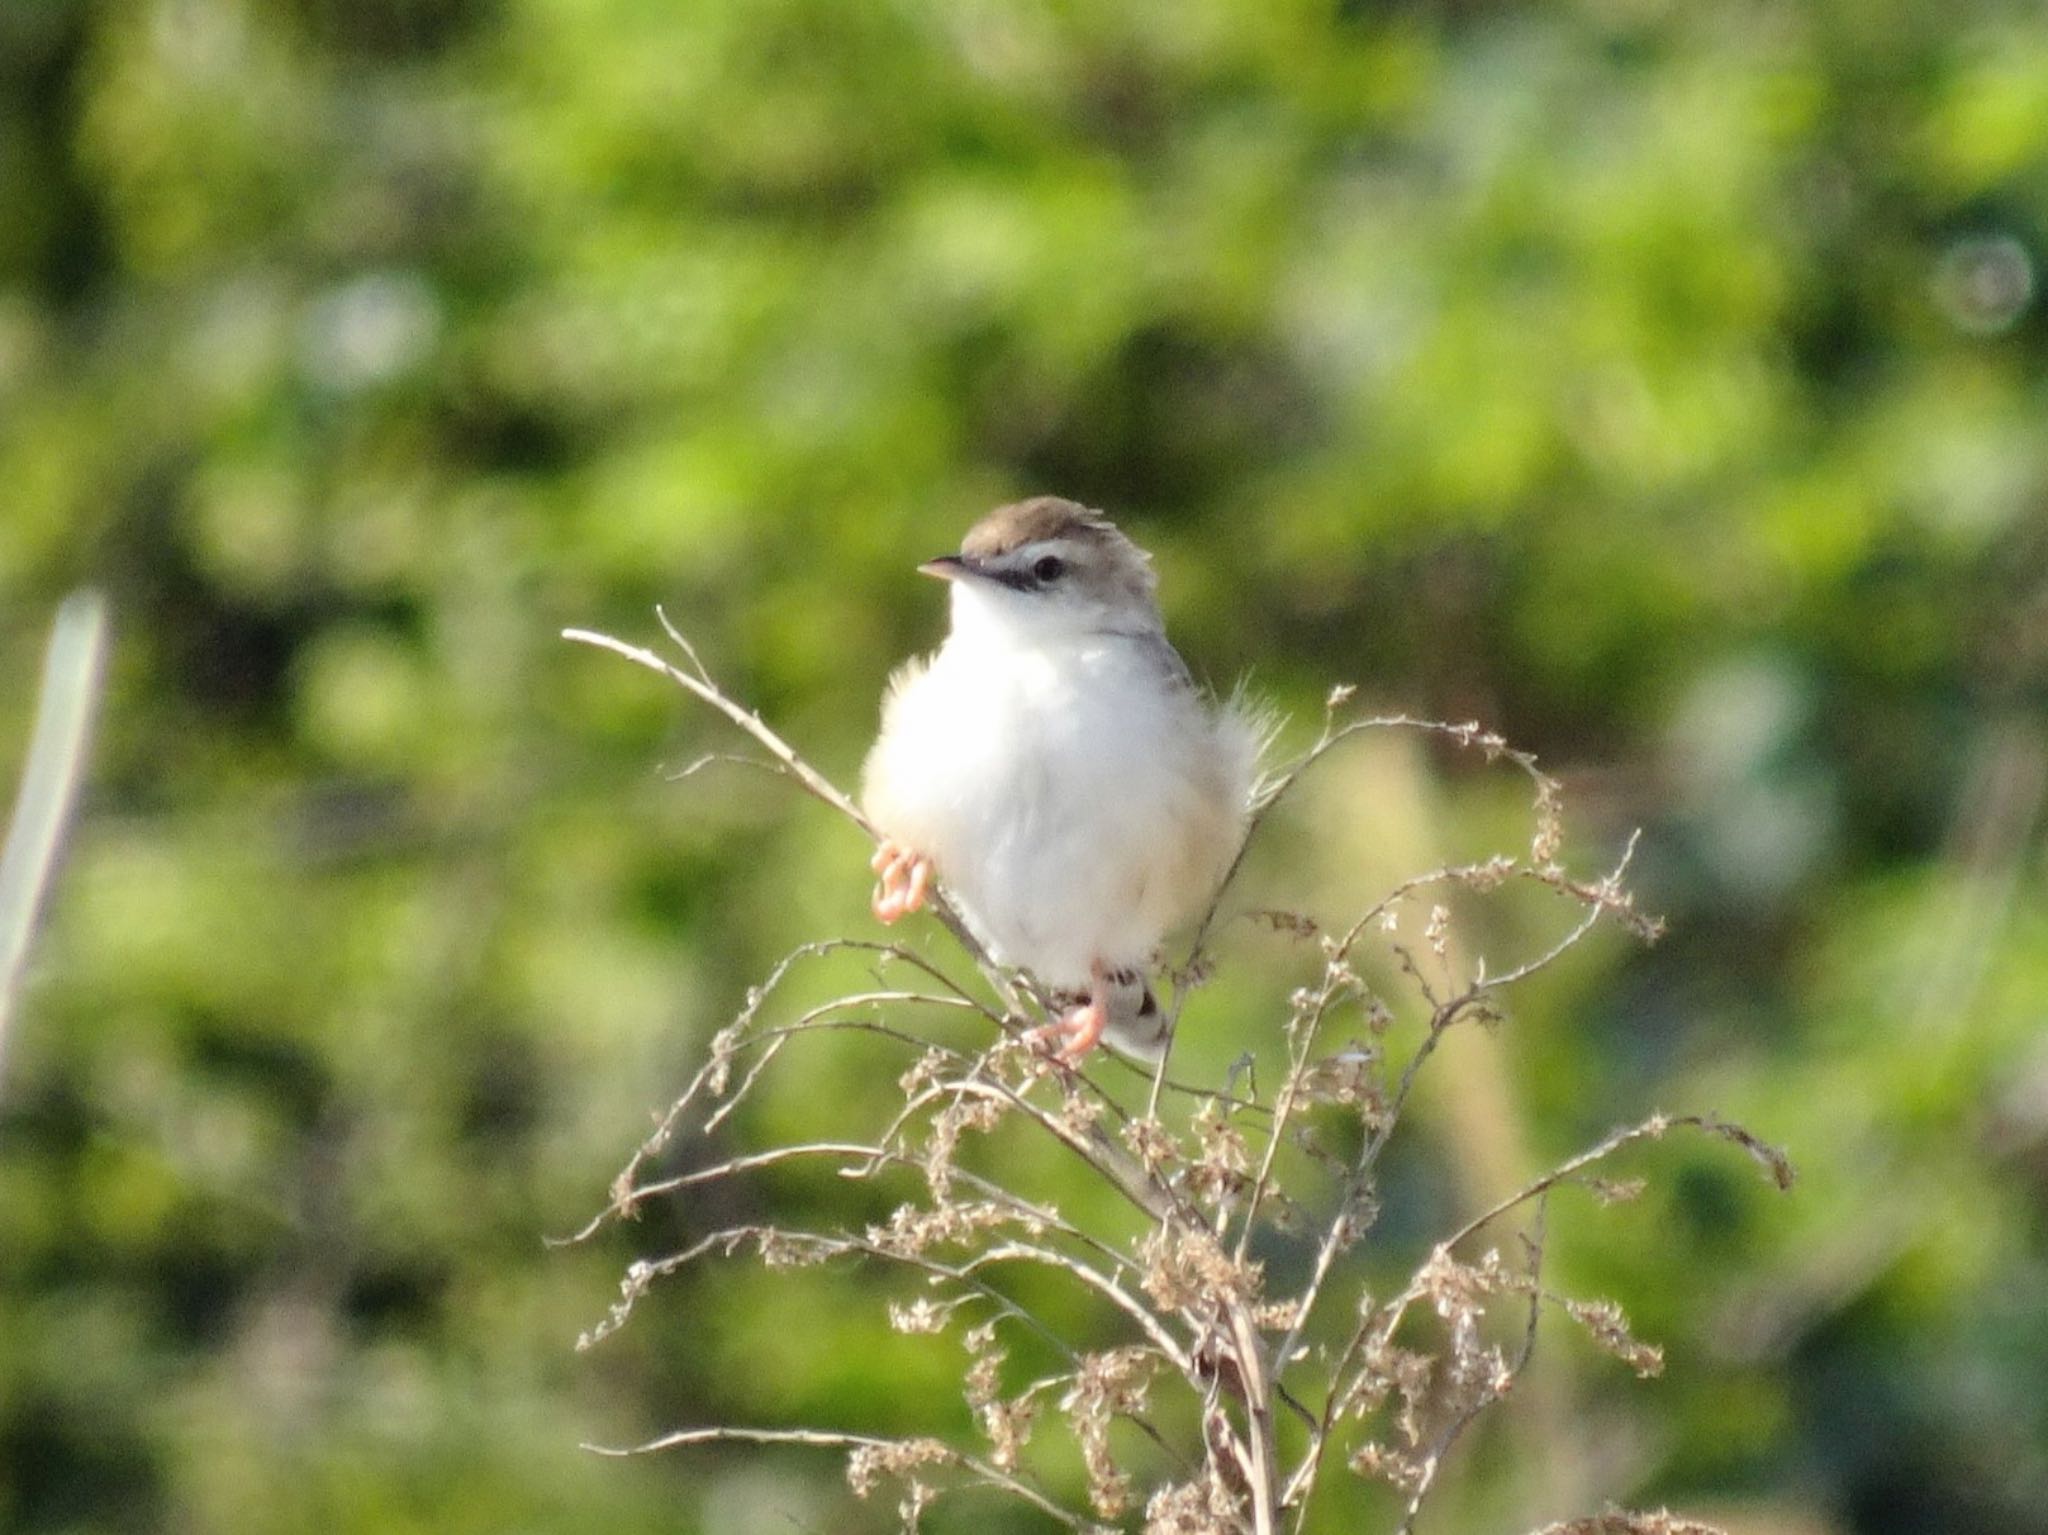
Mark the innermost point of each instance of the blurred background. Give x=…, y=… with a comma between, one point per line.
x=1661, y=382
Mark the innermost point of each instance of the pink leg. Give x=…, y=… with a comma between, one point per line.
x=1071, y=1037
x=905, y=878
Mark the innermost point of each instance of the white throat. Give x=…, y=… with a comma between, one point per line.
x=998, y=618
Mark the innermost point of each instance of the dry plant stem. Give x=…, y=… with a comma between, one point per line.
x=697, y=682
x=820, y=1247
x=980, y=1469
x=628, y=1194
x=1655, y=1128
x=1188, y=1290
x=1452, y=1431
x=1445, y=1016
x=1107, y=1288
x=1263, y=1471
x=1091, y=1146
x=869, y=1157
x=623, y=1198
x=1282, y=782
x=627, y=1200
x=771, y=1041
x=1382, y=1324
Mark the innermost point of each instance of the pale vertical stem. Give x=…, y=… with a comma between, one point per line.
x=59, y=748
x=1259, y=1385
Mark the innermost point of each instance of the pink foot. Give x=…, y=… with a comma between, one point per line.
x=903, y=879
x=1072, y=1036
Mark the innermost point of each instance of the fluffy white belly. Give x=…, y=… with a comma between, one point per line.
x=1075, y=805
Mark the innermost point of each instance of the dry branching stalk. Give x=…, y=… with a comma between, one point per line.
x=1179, y=1425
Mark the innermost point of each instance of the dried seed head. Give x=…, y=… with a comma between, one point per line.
x=1403, y=1470
x=1106, y=1384
x=1549, y=835
x=1609, y=1328
x=1348, y=1079
x=1007, y=1427
x=1201, y=1507
x=984, y=1376
x=1222, y=1160
x=790, y=1249
x=1079, y=1110
x=1616, y=1191
x=1438, y=933
x=929, y=1069
x=921, y=1316
x=868, y=1465
x=963, y=1112
x=1151, y=1143
x=1187, y=1269
x=912, y=1231
x=725, y=1045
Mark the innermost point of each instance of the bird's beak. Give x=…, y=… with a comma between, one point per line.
x=947, y=567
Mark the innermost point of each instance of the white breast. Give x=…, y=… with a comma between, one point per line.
x=1076, y=801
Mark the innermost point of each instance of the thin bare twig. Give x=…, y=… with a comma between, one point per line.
x=697, y=682
x=822, y=1439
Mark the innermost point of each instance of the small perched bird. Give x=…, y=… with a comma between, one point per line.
x=1054, y=765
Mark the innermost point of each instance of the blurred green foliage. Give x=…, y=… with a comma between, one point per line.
x=1661, y=382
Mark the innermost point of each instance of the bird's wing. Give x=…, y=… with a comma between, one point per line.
x=1158, y=652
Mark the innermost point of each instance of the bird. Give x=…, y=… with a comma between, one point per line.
x=1056, y=769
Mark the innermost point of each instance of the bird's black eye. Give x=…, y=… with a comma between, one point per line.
x=1051, y=568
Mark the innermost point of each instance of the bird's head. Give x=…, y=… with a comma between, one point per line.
x=1048, y=568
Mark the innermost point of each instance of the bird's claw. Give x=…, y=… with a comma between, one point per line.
x=903, y=879
x=1069, y=1038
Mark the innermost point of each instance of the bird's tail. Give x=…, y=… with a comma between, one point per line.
x=1137, y=1025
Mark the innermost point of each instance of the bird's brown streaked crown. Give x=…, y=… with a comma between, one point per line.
x=1103, y=557
x=1033, y=521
